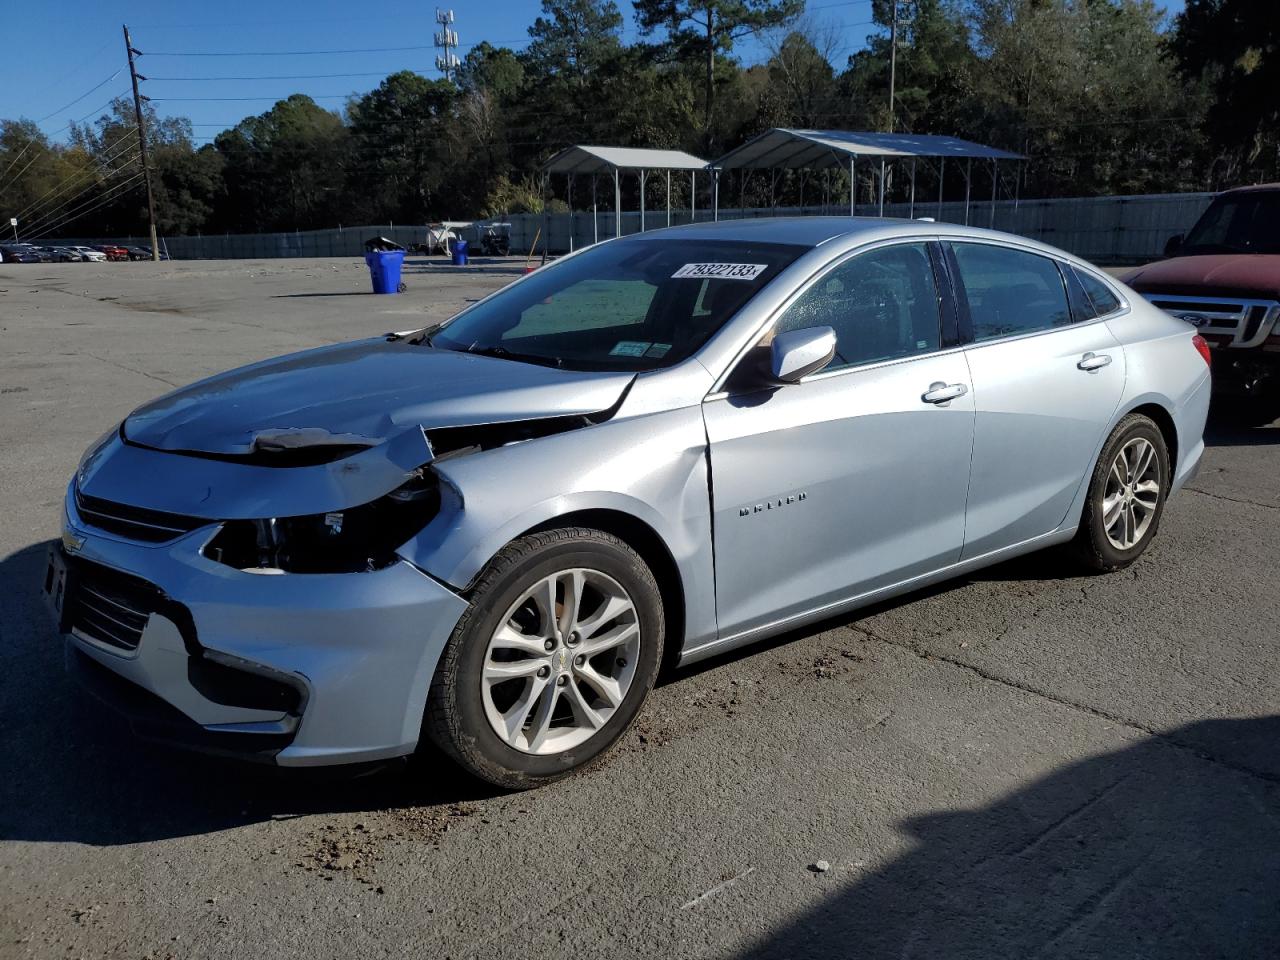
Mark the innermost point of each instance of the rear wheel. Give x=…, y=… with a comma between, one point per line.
x=1126, y=496
x=551, y=661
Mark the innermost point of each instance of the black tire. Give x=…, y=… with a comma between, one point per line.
x=455, y=719
x=1092, y=547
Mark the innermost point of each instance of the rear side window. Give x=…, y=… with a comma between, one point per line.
x=1100, y=295
x=1010, y=291
x=881, y=304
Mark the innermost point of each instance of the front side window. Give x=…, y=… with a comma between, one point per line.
x=1010, y=291
x=630, y=305
x=883, y=305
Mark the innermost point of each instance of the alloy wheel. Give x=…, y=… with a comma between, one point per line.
x=561, y=661
x=1132, y=493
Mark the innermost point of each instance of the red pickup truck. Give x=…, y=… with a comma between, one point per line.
x=1224, y=277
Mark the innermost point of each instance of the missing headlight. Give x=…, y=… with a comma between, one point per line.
x=355, y=540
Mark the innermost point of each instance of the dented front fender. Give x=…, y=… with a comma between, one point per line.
x=652, y=468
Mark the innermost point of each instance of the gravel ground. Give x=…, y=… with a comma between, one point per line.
x=1026, y=762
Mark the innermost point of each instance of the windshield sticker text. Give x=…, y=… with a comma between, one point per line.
x=721, y=271
x=629, y=348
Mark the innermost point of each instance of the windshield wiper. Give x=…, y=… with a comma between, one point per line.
x=502, y=353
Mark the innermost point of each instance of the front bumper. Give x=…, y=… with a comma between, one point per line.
x=220, y=649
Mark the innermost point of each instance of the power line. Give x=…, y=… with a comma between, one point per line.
x=288, y=53
x=81, y=97
x=101, y=165
x=286, y=96
x=55, y=211
x=293, y=76
x=37, y=224
x=20, y=155
x=113, y=194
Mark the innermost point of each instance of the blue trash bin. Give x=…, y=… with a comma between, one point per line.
x=460, y=250
x=384, y=269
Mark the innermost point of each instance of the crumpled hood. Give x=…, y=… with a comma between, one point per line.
x=1245, y=275
x=361, y=393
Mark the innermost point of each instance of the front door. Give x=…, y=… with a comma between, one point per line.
x=855, y=478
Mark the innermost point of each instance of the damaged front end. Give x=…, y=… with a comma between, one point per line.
x=355, y=540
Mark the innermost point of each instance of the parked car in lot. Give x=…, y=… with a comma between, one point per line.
x=1224, y=278
x=113, y=252
x=19, y=253
x=143, y=253
x=60, y=254
x=493, y=532
x=89, y=254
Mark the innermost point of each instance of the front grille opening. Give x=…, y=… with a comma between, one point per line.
x=234, y=687
x=135, y=523
x=108, y=606
x=1253, y=322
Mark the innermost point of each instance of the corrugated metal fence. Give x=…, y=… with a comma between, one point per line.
x=1109, y=230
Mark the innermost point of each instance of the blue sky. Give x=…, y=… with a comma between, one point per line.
x=64, y=66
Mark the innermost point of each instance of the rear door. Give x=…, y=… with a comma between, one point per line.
x=854, y=478
x=1045, y=387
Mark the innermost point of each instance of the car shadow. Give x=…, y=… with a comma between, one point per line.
x=1155, y=850
x=1243, y=421
x=71, y=769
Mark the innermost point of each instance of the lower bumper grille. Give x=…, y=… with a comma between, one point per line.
x=108, y=606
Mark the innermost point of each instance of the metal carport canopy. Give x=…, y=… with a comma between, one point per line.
x=787, y=149
x=584, y=159
x=793, y=149
x=592, y=161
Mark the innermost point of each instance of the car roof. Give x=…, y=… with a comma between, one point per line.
x=815, y=231
x=1256, y=188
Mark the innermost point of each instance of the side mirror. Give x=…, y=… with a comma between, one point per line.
x=798, y=353
x=1173, y=245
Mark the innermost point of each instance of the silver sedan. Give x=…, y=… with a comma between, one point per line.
x=494, y=532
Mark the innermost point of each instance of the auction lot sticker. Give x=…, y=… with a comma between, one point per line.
x=721, y=271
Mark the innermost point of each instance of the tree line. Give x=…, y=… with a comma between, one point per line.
x=1104, y=96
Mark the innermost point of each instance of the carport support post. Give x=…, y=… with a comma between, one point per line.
x=995, y=187
x=942, y=174
x=643, y=175
x=617, y=204
x=573, y=220
x=693, y=196
x=882, y=186
x=968, y=180
x=912, y=211
x=715, y=196
x=668, y=198
x=595, y=212
x=853, y=185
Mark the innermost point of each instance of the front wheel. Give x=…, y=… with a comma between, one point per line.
x=1126, y=496
x=551, y=661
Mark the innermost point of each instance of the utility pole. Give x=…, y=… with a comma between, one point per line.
x=142, y=140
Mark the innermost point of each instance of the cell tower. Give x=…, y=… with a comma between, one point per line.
x=447, y=39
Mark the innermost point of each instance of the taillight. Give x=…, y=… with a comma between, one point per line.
x=1202, y=345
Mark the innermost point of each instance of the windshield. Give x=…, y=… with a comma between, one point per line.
x=1237, y=223
x=634, y=305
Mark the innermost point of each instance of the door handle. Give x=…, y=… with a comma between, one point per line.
x=1094, y=361
x=943, y=393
